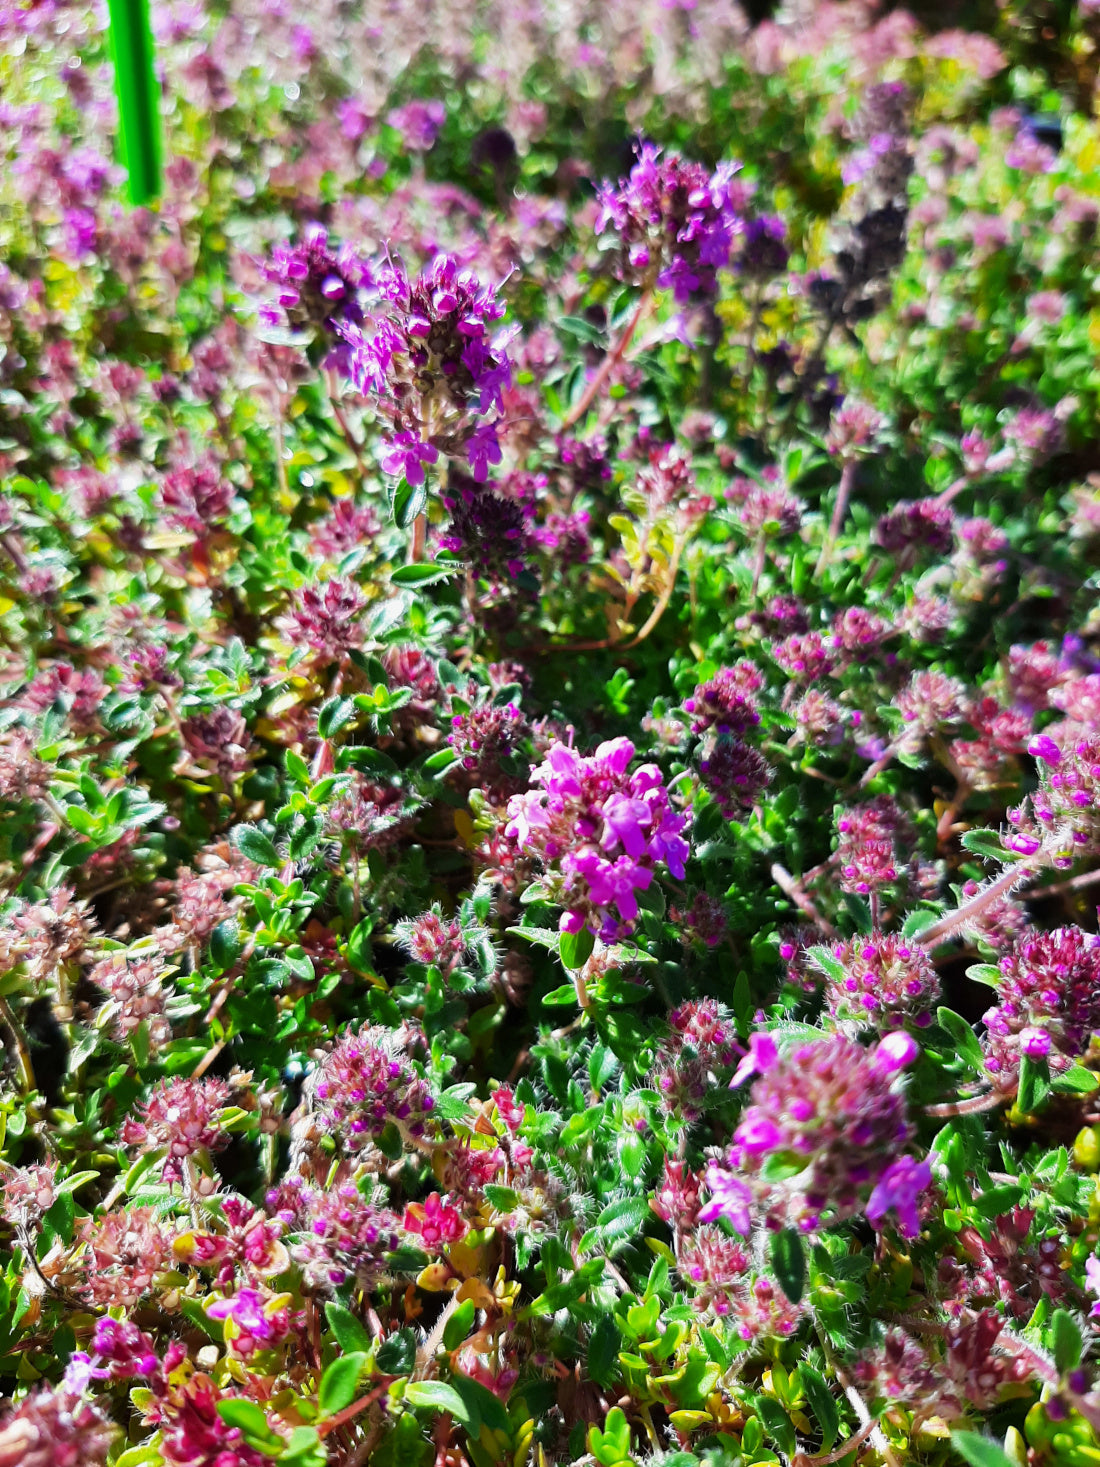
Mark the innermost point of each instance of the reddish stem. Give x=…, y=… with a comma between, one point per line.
x=607, y=366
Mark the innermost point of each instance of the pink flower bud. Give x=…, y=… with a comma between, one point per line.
x=896, y=1051
x=1043, y=747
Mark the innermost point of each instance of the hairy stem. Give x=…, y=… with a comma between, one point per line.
x=1000, y=887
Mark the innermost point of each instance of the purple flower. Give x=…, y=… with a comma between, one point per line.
x=1092, y=1282
x=671, y=215
x=482, y=449
x=599, y=831
x=898, y=1190
x=830, y=1106
x=407, y=456
x=896, y=1052
x=729, y=1198
x=1043, y=747
x=762, y=1054
x=426, y=354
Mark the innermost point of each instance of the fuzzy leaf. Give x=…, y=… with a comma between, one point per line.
x=351, y=1336
x=980, y=1451
x=788, y=1260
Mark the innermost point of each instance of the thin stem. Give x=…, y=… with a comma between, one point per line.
x=790, y=888
x=22, y=1046
x=665, y=597
x=350, y=1412
x=1000, y=887
x=758, y=563
x=988, y=1100
x=341, y=419
x=859, y=1406
x=609, y=363
x=1064, y=888
x=823, y=1459
x=840, y=510
x=947, y=495
x=419, y=538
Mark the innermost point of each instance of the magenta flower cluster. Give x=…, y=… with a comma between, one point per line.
x=317, y=291
x=1048, y=1003
x=427, y=360
x=674, y=221
x=601, y=833
x=884, y=980
x=833, y=1116
x=366, y=1082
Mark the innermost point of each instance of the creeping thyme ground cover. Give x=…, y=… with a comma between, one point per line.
x=550, y=739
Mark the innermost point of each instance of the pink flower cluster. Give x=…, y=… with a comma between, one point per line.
x=886, y=981
x=182, y=1116
x=675, y=221
x=427, y=359
x=341, y=1235
x=367, y=1081
x=834, y=1114
x=1063, y=822
x=1049, y=1003
x=600, y=831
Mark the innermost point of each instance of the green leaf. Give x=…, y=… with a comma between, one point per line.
x=422, y=575
x=1076, y=1081
x=340, y=1382
x=581, y=329
x=459, y=1325
x=988, y=843
x=407, y=503
x=225, y=945
x=987, y=973
x=396, y=1355
x=830, y=965
x=440, y=761
x=304, y=1448
x=622, y=1219
x=1068, y=1341
x=77, y=1179
x=480, y=1400
x=503, y=1199
x=777, y=1423
x=246, y=1416
x=576, y=948
x=980, y=1451
x=603, y=1351
x=821, y=1403
x=255, y=846
x=788, y=1259
x=334, y=714
x=1034, y=1085
x=916, y=922
x=350, y=1334
x=567, y=993
x=437, y=1395
x=962, y=1034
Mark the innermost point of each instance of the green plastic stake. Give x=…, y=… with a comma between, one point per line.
x=138, y=96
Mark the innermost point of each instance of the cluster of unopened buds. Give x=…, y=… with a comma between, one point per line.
x=879, y=979
x=1063, y=821
x=1048, y=1003
x=367, y=1082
